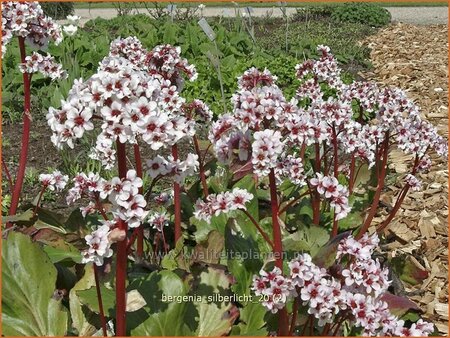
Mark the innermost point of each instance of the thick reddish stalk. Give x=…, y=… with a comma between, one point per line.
x=177, y=199
x=399, y=200
x=294, y=313
x=295, y=200
x=121, y=264
x=283, y=322
x=100, y=301
x=140, y=230
x=335, y=154
x=352, y=174
x=258, y=227
x=394, y=210
x=41, y=193
x=201, y=167
x=25, y=135
x=380, y=185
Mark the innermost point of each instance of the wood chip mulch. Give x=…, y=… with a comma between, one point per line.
x=415, y=59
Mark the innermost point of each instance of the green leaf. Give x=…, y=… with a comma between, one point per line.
x=28, y=285
x=246, y=225
x=161, y=316
x=80, y=314
x=252, y=320
x=309, y=239
x=63, y=252
x=214, y=317
x=23, y=217
x=203, y=228
x=407, y=270
x=351, y=221
x=326, y=255
x=89, y=298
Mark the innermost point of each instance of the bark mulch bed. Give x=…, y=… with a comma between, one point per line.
x=415, y=59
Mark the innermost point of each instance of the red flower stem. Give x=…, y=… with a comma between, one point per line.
x=335, y=153
x=310, y=317
x=326, y=329
x=100, y=302
x=352, y=174
x=201, y=167
x=394, y=210
x=283, y=323
x=317, y=160
x=334, y=230
x=261, y=231
x=399, y=200
x=8, y=175
x=295, y=200
x=121, y=263
x=164, y=240
x=25, y=136
x=177, y=199
x=140, y=229
x=206, y=152
x=338, y=325
x=41, y=193
x=380, y=185
x=99, y=206
x=294, y=314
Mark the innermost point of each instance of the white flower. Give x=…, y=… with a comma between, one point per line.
x=70, y=30
x=74, y=19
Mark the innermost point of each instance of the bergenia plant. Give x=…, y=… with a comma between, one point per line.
x=135, y=98
x=280, y=179
x=316, y=144
x=27, y=22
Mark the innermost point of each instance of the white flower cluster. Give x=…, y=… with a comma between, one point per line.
x=291, y=168
x=179, y=170
x=413, y=182
x=165, y=60
x=266, y=149
x=354, y=293
x=158, y=220
x=222, y=203
x=27, y=20
x=54, y=181
x=329, y=187
x=255, y=131
x=131, y=98
x=389, y=110
x=45, y=65
x=99, y=246
x=128, y=204
x=72, y=27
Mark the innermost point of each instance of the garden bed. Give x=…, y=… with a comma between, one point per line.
x=275, y=211
x=417, y=56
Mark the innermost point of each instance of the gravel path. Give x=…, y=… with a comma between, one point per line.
x=412, y=15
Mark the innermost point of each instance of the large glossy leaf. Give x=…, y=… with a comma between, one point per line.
x=28, y=286
x=214, y=315
x=82, y=317
x=161, y=316
x=399, y=305
x=245, y=224
x=252, y=321
x=309, y=239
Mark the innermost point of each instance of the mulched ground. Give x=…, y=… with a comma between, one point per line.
x=415, y=59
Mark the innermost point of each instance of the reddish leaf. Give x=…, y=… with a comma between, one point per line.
x=399, y=305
